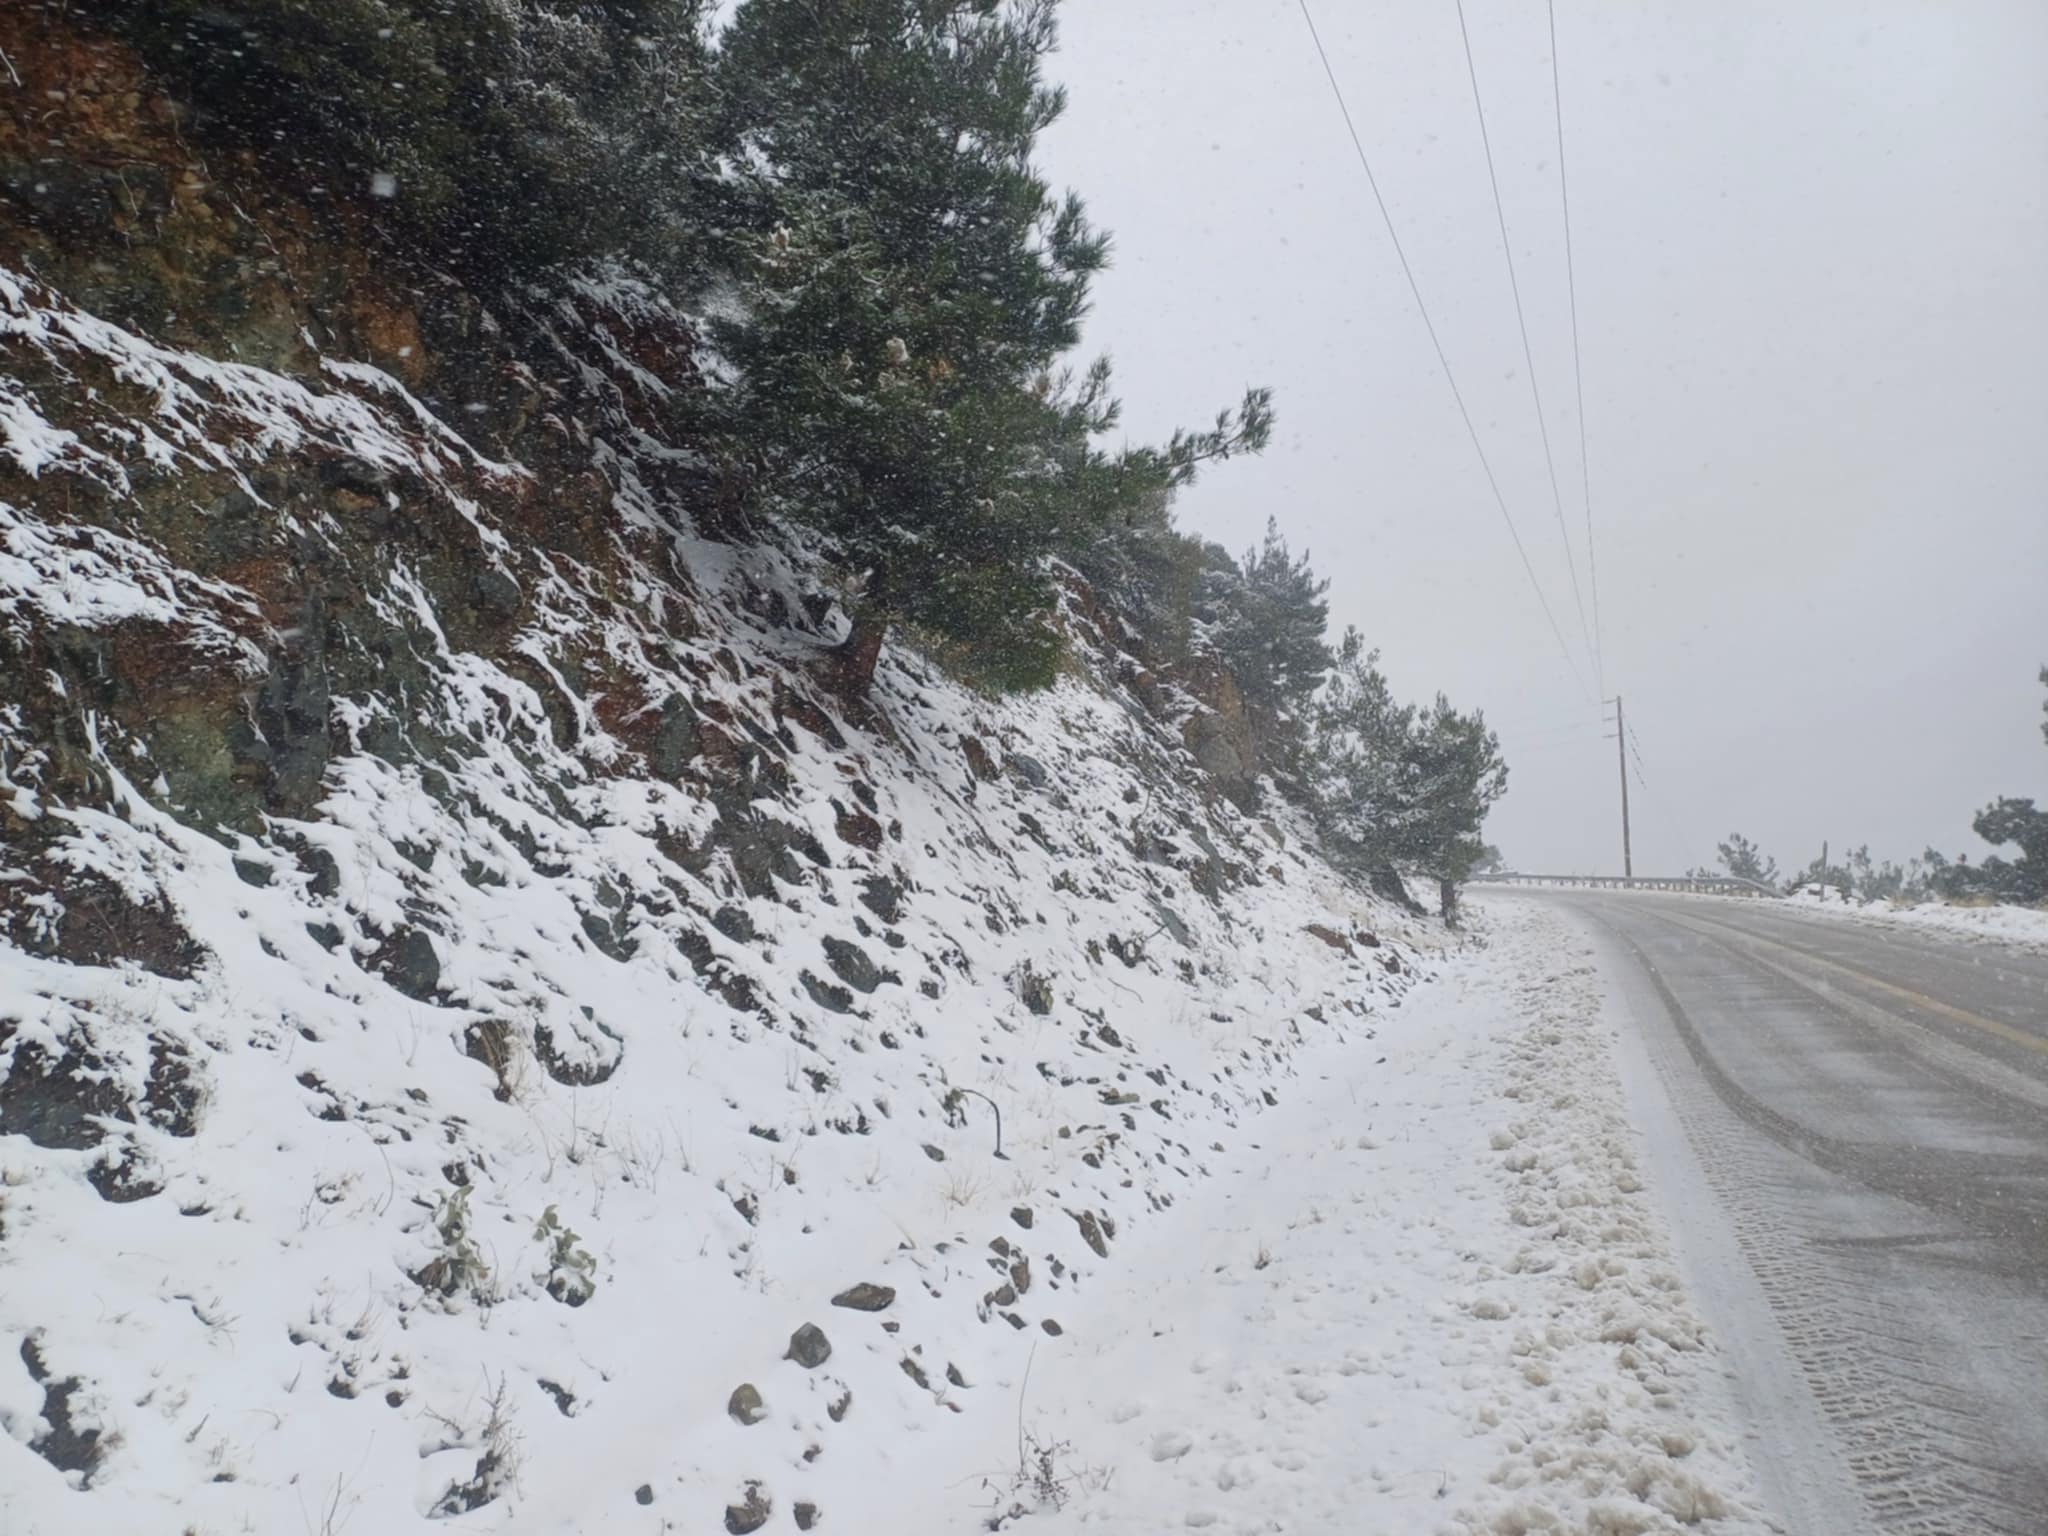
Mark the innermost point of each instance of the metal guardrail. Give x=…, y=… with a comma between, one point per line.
x=1711, y=885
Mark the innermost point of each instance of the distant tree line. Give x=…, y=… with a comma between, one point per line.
x=2007, y=823
x=849, y=188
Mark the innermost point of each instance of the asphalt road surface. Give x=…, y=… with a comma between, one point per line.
x=1865, y=1117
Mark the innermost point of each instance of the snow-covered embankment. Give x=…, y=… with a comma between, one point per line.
x=1434, y=1296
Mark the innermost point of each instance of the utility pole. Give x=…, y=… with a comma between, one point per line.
x=1628, y=863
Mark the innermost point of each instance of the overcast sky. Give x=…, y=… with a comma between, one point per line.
x=1812, y=258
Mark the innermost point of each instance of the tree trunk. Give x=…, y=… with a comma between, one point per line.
x=1386, y=882
x=1447, y=894
x=852, y=664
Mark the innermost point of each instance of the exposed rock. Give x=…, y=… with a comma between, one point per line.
x=1331, y=937
x=496, y=595
x=1052, y=1328
x=856, y=828
x=865, y=1297
x=644, y=1494
x=806, y=1515
x=1091, y=1232
x=851, y=964
x=1023, y=766
x=750, y=1514
x=1021, y=1214
x=63, y=1102
x=745, y=1404
x=64, y=1445
x=676, y=739
x=827, y=995
x=406, y=959
x=809, y=1347
x=735, y=923
x=883, y=897
x=979, y=763
x=1221, y=746
x=837, y=1408
x=1033, y=990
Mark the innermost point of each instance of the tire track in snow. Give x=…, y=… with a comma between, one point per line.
x=1881, y=1373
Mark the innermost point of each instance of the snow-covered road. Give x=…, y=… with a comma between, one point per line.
x=1435, y=1296
x=1852, y=1120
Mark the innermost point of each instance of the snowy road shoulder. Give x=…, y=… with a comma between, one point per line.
x=1434, y=1297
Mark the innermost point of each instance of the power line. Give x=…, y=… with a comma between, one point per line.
x=1527, y=734
x=1507, y=249
x=1635, y=750
x=1443, y=361
x=1666, y=817
x=1571, y=282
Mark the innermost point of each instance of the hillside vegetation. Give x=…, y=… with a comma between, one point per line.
x=626, y=848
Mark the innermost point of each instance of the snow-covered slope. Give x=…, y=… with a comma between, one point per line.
x=474, y=1017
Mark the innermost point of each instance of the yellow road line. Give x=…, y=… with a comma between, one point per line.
x=2004, y=1031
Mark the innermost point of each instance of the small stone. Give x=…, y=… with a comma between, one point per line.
x=745, y=1403
x=806, y=1516
x=809, y=1347
x=865, y=1297
x=644, y=1494
x=837, y=1408
x=953, y=1375
x=750, y=1515
x=934, y=1153
x=1021, y=1214
x=1052, y=1328
x=1091, y=1232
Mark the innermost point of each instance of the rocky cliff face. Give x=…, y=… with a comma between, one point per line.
x=444, y=928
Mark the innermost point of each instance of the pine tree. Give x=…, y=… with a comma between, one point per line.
x=1744, y=860
x=918, y=286
x=1460, y=774
x=1358, y=781
x=1266, y=616
x=497, y=137
x=1393, y=787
